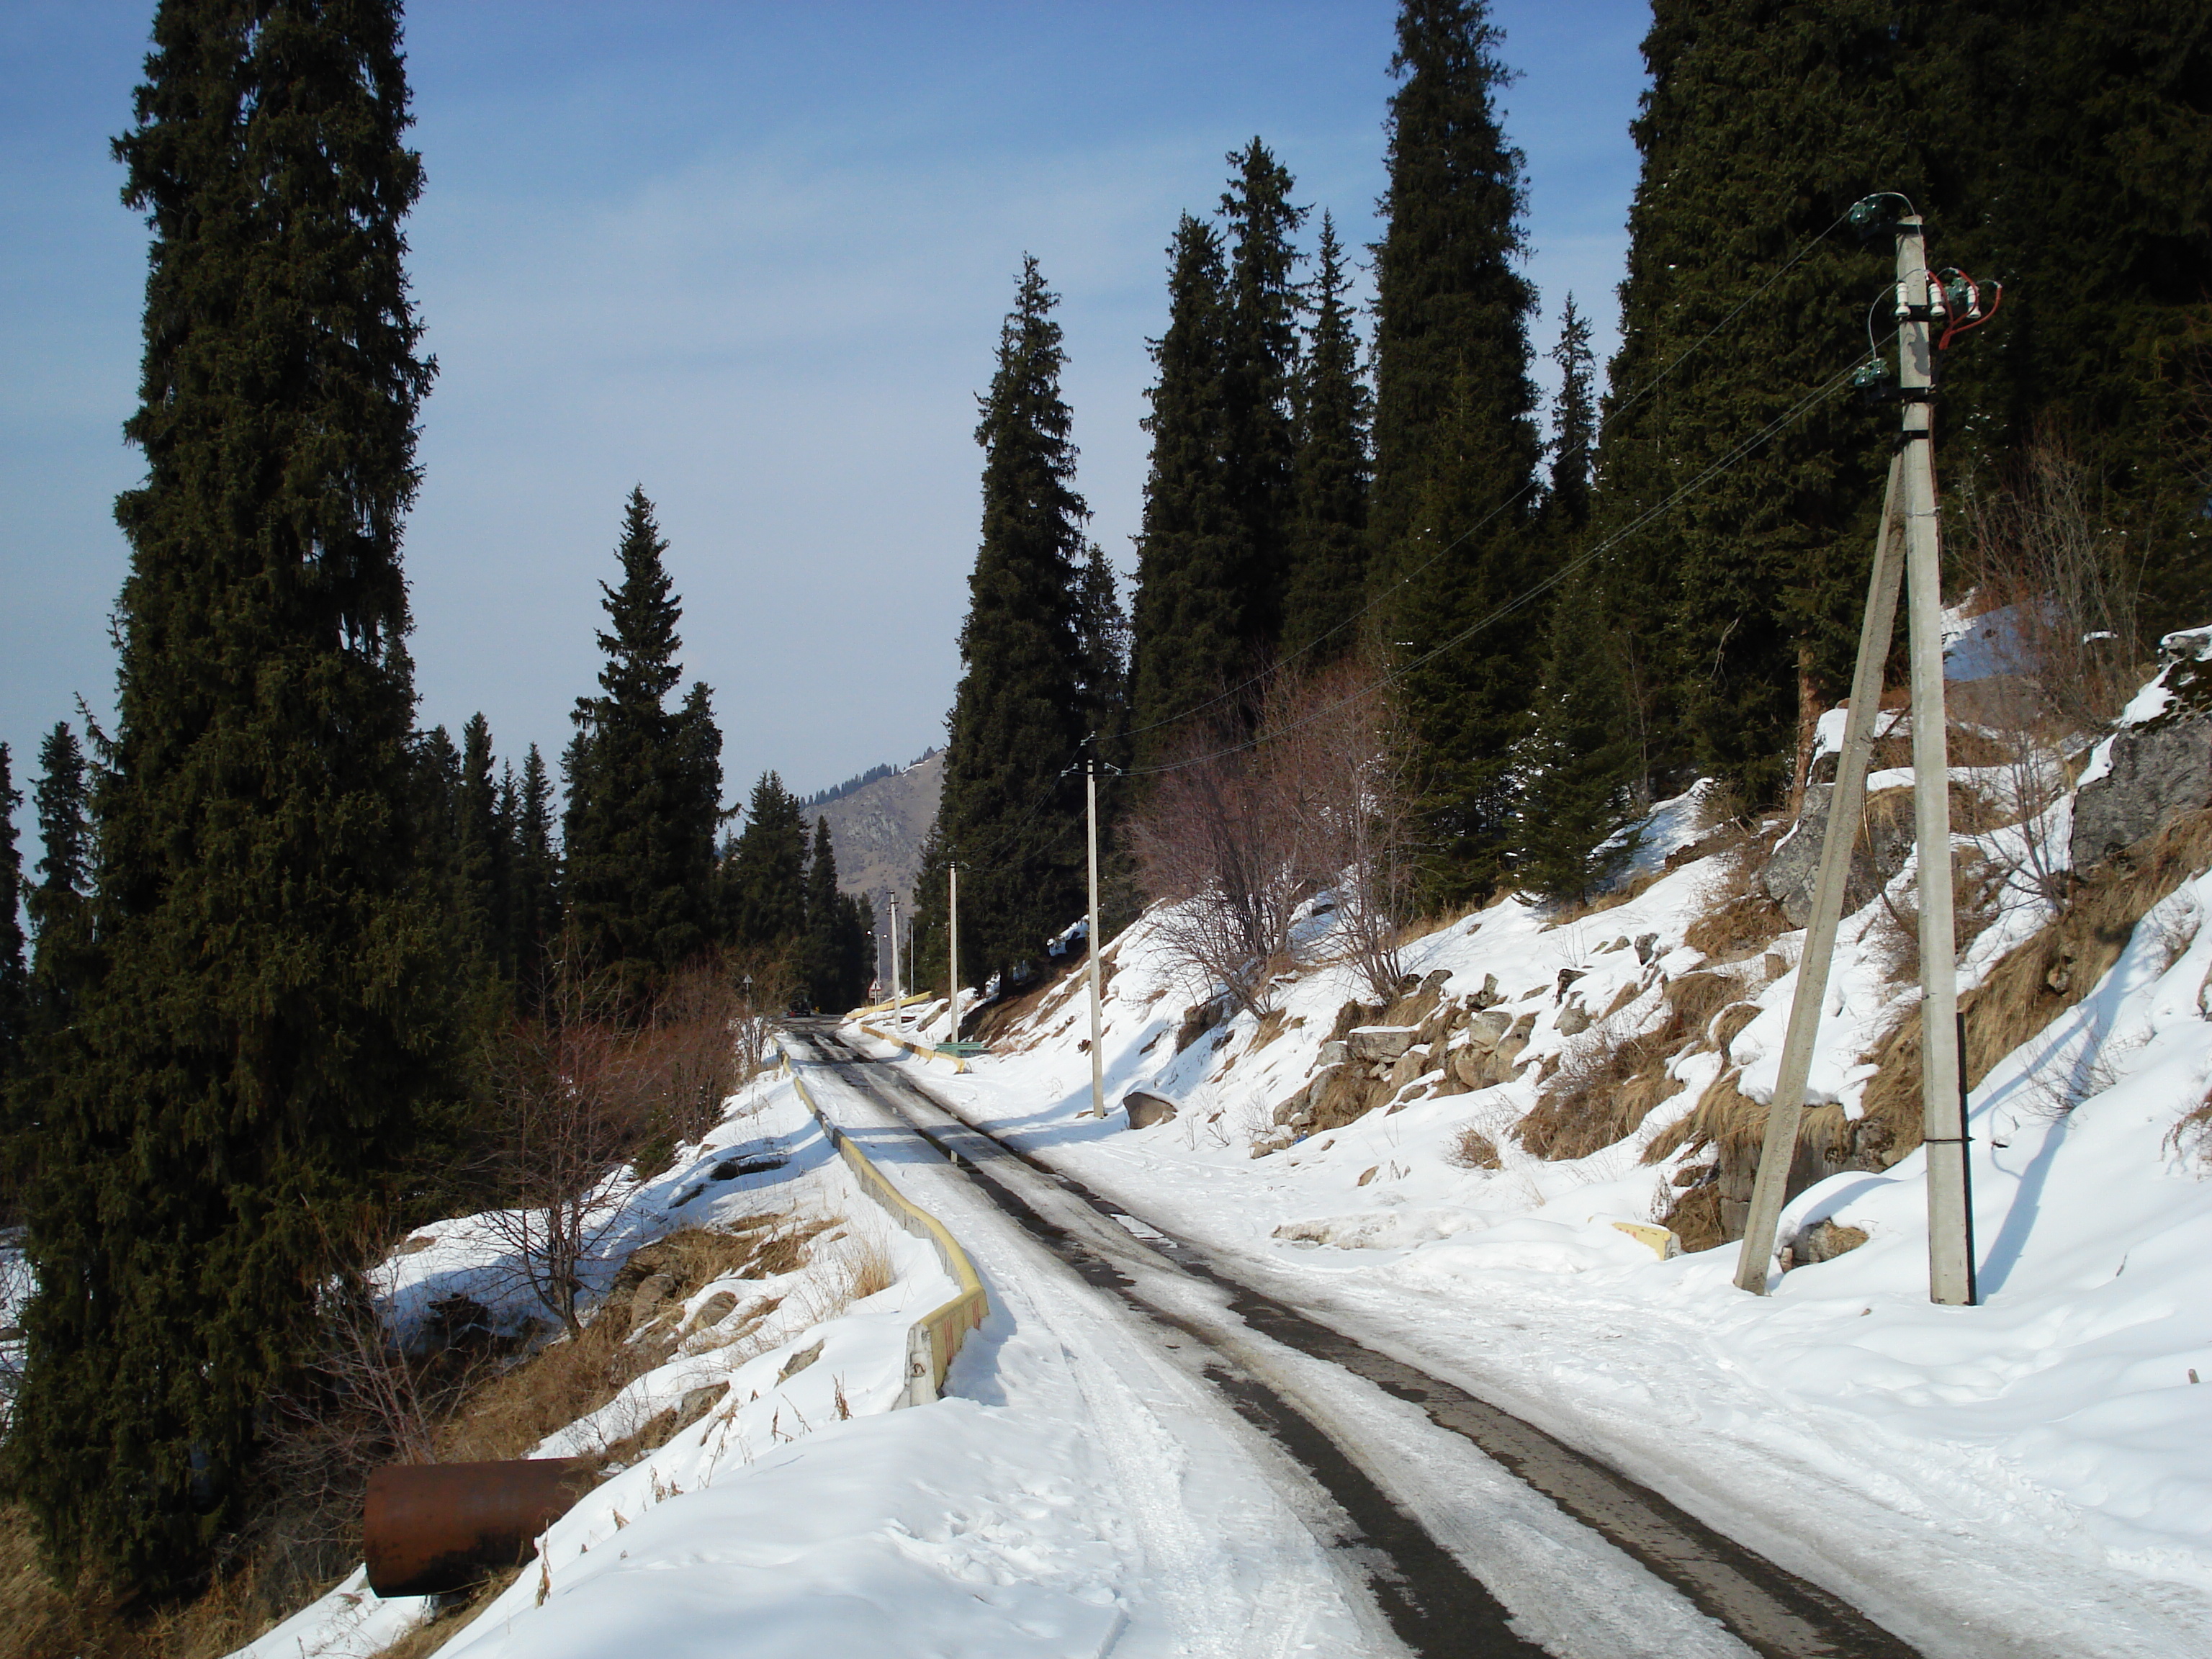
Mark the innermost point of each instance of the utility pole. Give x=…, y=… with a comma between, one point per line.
x=1906, y=550
x=952, y=947
x=1944, y=1106
x=1092, y=940
x=895, y=992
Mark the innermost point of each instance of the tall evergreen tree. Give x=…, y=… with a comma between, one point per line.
x=646, y=782
x=1102, y=632
x=60, y=904
x=1187, y=643
x=1455, y=445
x=534, y=905
x=1574, y=425
x=1736, y=612
x=256, y=1058
x=480, y=852
x=1258, y=358
x=1019, y=715
x=763, y=877
x=1574, y=769
x=821, y=962
x=1330, y=475
x=13, y=974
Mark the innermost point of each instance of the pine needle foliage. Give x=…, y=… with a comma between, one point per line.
x=1259, y=353
x=270, y=1024
x=1330, y=475
x=763, y=877
x=1021, y=713
x=1188, y=643
x=1456, y=443
x=14, y=972
x=645, y=784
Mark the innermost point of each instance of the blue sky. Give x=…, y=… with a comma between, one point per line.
x=752, y=257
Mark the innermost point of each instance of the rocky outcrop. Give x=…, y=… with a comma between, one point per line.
x=1877, y=854
x=2160, y=763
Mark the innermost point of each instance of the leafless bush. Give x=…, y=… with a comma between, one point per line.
x=2043, y=543
x=1239, y=834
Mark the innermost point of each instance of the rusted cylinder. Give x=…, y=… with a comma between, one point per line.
x=428, y=1528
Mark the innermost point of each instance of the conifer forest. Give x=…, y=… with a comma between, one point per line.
x=382, y=1095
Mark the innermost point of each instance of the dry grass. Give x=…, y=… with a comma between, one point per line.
x=2046, y=976
x=1742, y=928
x=1601, y=1092
x=449, y=1616
x=1471, y=1149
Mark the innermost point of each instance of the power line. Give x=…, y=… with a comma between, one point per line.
x=1534, y=591
x=1617, y=411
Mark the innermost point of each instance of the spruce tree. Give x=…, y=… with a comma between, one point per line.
x=763, y=877
x=1020, y=716
x=14, y=976
x=821, y=957
x=480, y=850
x=60, y=904
x=271, y=1029
x=1186, y=641
x=1574, y=425
x=645, y=784
x=1455, y=445
x=1574, y=768
x=534, y=905
x=1736, y=612
x=1328, y=515
x=1258, y=358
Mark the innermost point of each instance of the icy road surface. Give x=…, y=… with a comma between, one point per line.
x=1404, y=1535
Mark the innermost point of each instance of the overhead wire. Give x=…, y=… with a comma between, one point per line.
x=1614, y=414
x=1536, y=591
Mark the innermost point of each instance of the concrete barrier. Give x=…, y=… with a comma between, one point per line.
x=926, y=1050
x=935, y=1338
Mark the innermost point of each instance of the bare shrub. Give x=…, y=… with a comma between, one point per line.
x=1238, y=835
x=2045, y=542
x=1471, y=1149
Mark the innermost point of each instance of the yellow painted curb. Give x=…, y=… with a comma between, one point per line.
x=892, y=1007
x=926, y=1050
x=1659, y=1240
x=936, y=1337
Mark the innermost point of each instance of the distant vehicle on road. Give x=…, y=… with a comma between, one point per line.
x=800, y=1006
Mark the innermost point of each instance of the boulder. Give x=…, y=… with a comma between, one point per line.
x=1407, y=1067
x=1878, y=854
x=1487, y=1028
x=1574, y=1020
x=1824, y=1241
x=1489, y=996
x=1334, y=1052
x=1382, y=1043
x=1146, y=1110
x=2160, y=764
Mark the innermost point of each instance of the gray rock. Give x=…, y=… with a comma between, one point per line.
x=2159, y=768
x=1824, y=1241
x=1877, y=856
x=1334, y=1053
x=1644, y=945
x=1487, y=1028
x=1381, y=1042
x=799, y=1362
x=647, y=1296
x=1574, y=1020
x=1146, y=1110
x=1489, y=996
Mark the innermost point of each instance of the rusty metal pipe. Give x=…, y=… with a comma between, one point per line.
x=430, y=1528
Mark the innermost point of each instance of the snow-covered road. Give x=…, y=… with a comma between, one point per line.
x=1358, y=1520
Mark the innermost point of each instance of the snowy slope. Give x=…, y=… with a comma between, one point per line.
x=2046, y=1451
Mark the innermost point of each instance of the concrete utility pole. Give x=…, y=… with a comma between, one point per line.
x=1944, y=1106
x=1090, y=939
x=895, y=993
x=952, y=948
x=1906, y=546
